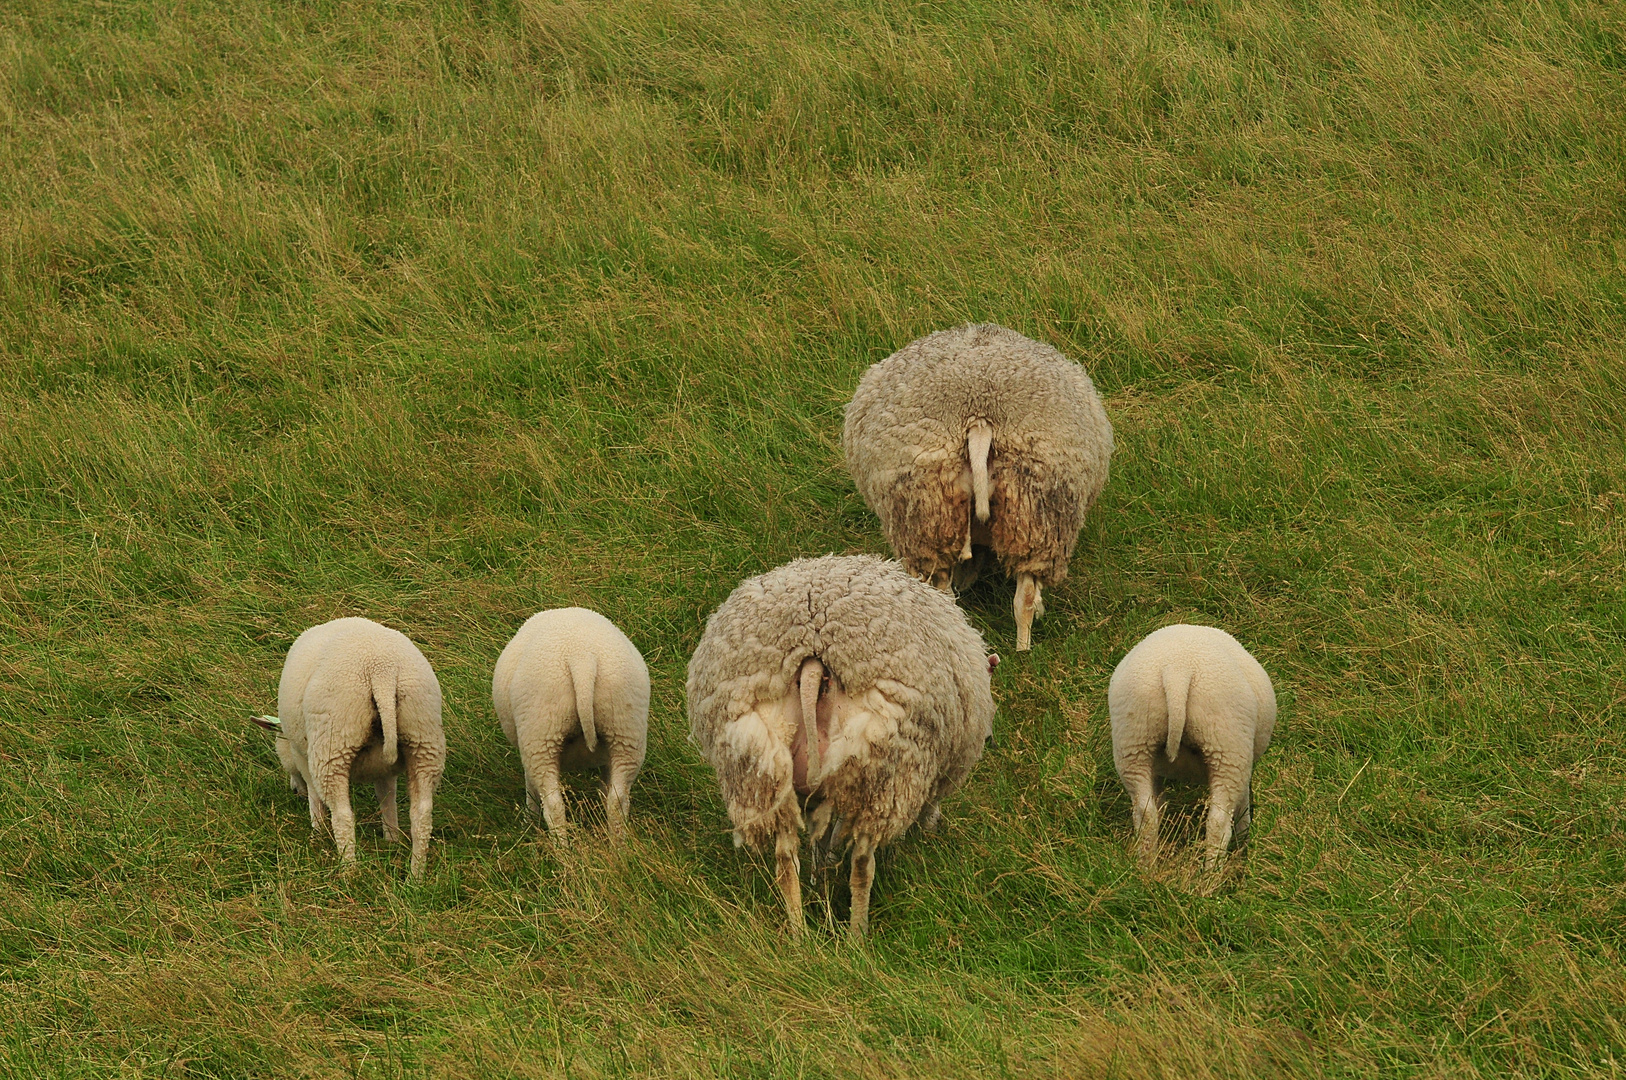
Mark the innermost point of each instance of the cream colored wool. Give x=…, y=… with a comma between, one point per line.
x=978, y=440
x=1189, y=703
x=898, y=682
x=572, y=692
x=359, y=702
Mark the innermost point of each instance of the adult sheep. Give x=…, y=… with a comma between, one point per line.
x=974, y=443
x=841, y=694
x=358, y=701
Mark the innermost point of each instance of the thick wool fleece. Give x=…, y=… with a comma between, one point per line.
x=572, y=692
x=1189, y=703
x=906, y=440
x=359, y=702
x=903, y=716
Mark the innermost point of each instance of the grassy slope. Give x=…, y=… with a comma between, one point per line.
x=442, y=313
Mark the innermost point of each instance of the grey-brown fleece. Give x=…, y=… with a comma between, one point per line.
x=911, y=680
x=905, y=441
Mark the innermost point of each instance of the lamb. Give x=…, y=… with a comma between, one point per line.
x=843, y=694
x=572, y=692
x=1189, y=703
x=358, y=701
x=975, y=444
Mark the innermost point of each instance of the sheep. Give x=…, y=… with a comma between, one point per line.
x=571, y=691
x=886, y=672
x=1189, y=703
x=358, y=701
x=975, y=444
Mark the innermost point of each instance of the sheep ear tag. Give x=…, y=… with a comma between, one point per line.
x=269, y=723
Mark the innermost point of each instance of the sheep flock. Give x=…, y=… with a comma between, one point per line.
x=839, y=699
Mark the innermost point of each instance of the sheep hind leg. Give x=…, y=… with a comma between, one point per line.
x=385, y=790
x=1145, y=803
x=422, y=778
x=1027, y=606
x=822, y=832
x=313, y=795
x=1227, y=800
x=553, y=796
x=618, y=794
x=788, y=874
x=863, y=876
x=336, y=793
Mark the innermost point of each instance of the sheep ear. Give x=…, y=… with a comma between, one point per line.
x=269, y=723
x=993, y=662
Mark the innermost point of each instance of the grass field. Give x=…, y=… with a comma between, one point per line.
x=442, y=313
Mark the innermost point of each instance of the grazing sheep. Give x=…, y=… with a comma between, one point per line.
x=1189, y=703
x=571, y=691
x=978, y=442
x=887, y=672
x=358, y=701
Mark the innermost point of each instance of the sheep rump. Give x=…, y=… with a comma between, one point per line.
x=898, y=682
x=358, y=701
x=978, y=442
x=572, y=692
x=1189, y=703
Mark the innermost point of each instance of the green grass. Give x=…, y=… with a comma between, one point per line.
x=444, y=313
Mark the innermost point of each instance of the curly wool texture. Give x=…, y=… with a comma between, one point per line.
x=905, y=444
x=888, y=639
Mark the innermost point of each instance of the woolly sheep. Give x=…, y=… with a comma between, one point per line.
x=895, y=681
x=572, y=692
x=1189, y=703
x=974, y=443
x=358, y=701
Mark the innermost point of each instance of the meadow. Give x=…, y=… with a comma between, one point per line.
x=445, y=312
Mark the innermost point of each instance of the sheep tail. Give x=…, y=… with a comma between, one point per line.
x=383, y=685
x=812, y=675
x=979, y=438
x=584, y=673
x=1176, y=688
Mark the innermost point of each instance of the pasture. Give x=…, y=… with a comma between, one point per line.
x=445, y=311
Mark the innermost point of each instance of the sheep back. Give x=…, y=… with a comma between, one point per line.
x=336, y=662
x=535, y=683
x=905, y=443
x=1196, y=682
x=876, y=629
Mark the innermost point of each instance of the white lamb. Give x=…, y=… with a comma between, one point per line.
x=358, y=701
x=1189, y=703
x=572, y=692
